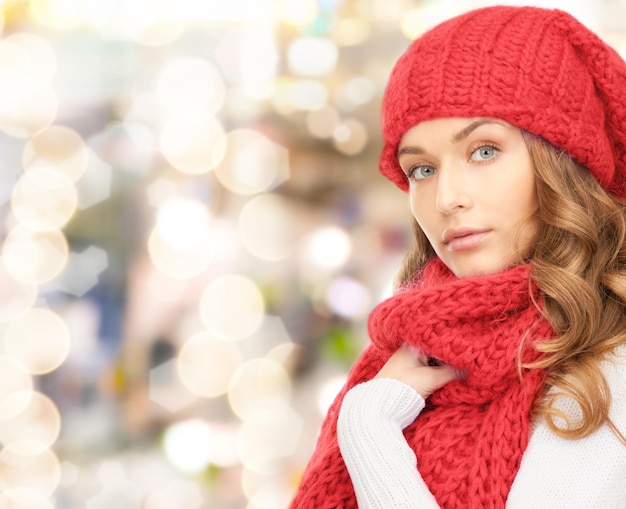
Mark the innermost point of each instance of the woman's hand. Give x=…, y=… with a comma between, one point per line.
x=409, y=367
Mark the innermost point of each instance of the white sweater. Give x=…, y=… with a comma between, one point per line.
x=555, y=473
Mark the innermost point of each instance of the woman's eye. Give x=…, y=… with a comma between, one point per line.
x=421, y=172
x=483, y=153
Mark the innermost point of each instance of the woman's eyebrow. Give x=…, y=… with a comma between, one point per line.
x=411, y=150
x=465, y=132
x=458, y=137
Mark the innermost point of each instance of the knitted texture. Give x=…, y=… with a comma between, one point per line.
x=470, y=439
x=538, y=69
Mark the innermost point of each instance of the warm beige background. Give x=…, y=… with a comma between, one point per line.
x=193, y=232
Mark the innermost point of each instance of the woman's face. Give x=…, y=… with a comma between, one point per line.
x=472, y=191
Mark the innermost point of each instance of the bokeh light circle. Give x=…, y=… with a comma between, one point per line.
x=351, y=31
x=60, y=148
x=16, y=296
x=13, y=378
x=35, y=109
x=58, y=14
x=15, y=75
x=189, y=84
x=180, y=262
x=34, y=500
x=297, y=12
x=267, y=437
x=30, y=421
x=266, y=227
x=418, y=20
x=39, y=340
x=232, y=307
x=267, y=490
x=29, y=103
x=312, y=56
x=28, y=478
x=327, y=247
x=348, y=297
x=360, y=90
x=175, y=493
x=307, y=94
x=183, y=222
x=44, y=199
x=205, y=365
x=193, y=444
x=252, y=163
x=350, y=137
x=35, y=257
x=188, y=445
x=193, y=143
x=258, y=384
x=322, y=123
x=147, y=23
x=39, y=52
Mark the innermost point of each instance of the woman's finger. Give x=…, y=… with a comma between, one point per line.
x=411, y=366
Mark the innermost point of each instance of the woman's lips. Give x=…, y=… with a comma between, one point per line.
x=463, y=239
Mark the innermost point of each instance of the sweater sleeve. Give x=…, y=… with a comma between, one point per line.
x=381, y=464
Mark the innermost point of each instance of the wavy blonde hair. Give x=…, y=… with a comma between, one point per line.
x=579, y=263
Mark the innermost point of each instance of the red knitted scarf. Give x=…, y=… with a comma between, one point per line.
x=470, y=438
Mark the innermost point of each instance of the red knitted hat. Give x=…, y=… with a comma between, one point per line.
x=538, y=69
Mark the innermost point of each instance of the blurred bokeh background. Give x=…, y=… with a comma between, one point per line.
x=193, y=233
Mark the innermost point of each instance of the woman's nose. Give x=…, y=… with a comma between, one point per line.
x=452, y=189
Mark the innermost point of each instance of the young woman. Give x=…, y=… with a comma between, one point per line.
x=496, y=376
